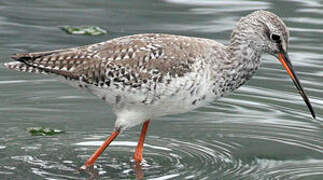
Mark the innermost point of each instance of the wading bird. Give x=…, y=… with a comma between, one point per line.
x=145, y=76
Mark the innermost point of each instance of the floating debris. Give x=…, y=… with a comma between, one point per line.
x=41, y=131
x=84, y=30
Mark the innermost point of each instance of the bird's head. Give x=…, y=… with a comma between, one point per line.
x=267, y=33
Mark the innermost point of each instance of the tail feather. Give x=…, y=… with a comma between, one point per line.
x=20, y=66
x=29, y=57
x=24, y=61
x=62, y=62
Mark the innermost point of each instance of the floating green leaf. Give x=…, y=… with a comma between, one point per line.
x=84, y=30
x=41, y=131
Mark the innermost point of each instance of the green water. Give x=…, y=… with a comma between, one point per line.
x=262, y=131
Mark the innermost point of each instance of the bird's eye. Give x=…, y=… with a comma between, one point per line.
x=275, y=37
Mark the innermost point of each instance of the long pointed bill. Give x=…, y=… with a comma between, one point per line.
x=284, y=59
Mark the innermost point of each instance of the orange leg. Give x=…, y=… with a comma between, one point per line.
x=137, y=156
x=97, y=153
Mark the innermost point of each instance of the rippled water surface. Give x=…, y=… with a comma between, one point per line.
x=262, y=131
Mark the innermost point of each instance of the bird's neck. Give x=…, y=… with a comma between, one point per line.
x=244, y=52
x=243, y=59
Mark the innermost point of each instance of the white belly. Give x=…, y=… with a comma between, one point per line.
x=134, y=106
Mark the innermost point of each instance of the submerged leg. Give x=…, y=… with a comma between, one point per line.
x=137, y=156
x=97, y=153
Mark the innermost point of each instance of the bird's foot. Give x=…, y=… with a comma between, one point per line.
x=86, y=167
x=138, y=170
x=83, y=168
x=137, y=157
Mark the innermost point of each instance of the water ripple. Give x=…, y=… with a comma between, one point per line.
x=170, y=157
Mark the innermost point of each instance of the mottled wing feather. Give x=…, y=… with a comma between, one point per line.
x=127, y=60
x=133, y=60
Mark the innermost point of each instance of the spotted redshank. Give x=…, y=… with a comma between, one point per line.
x=145, y=76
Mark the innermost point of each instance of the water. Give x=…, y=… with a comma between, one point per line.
x=262, y=131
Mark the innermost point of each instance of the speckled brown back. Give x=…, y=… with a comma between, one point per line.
x=128, y=59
